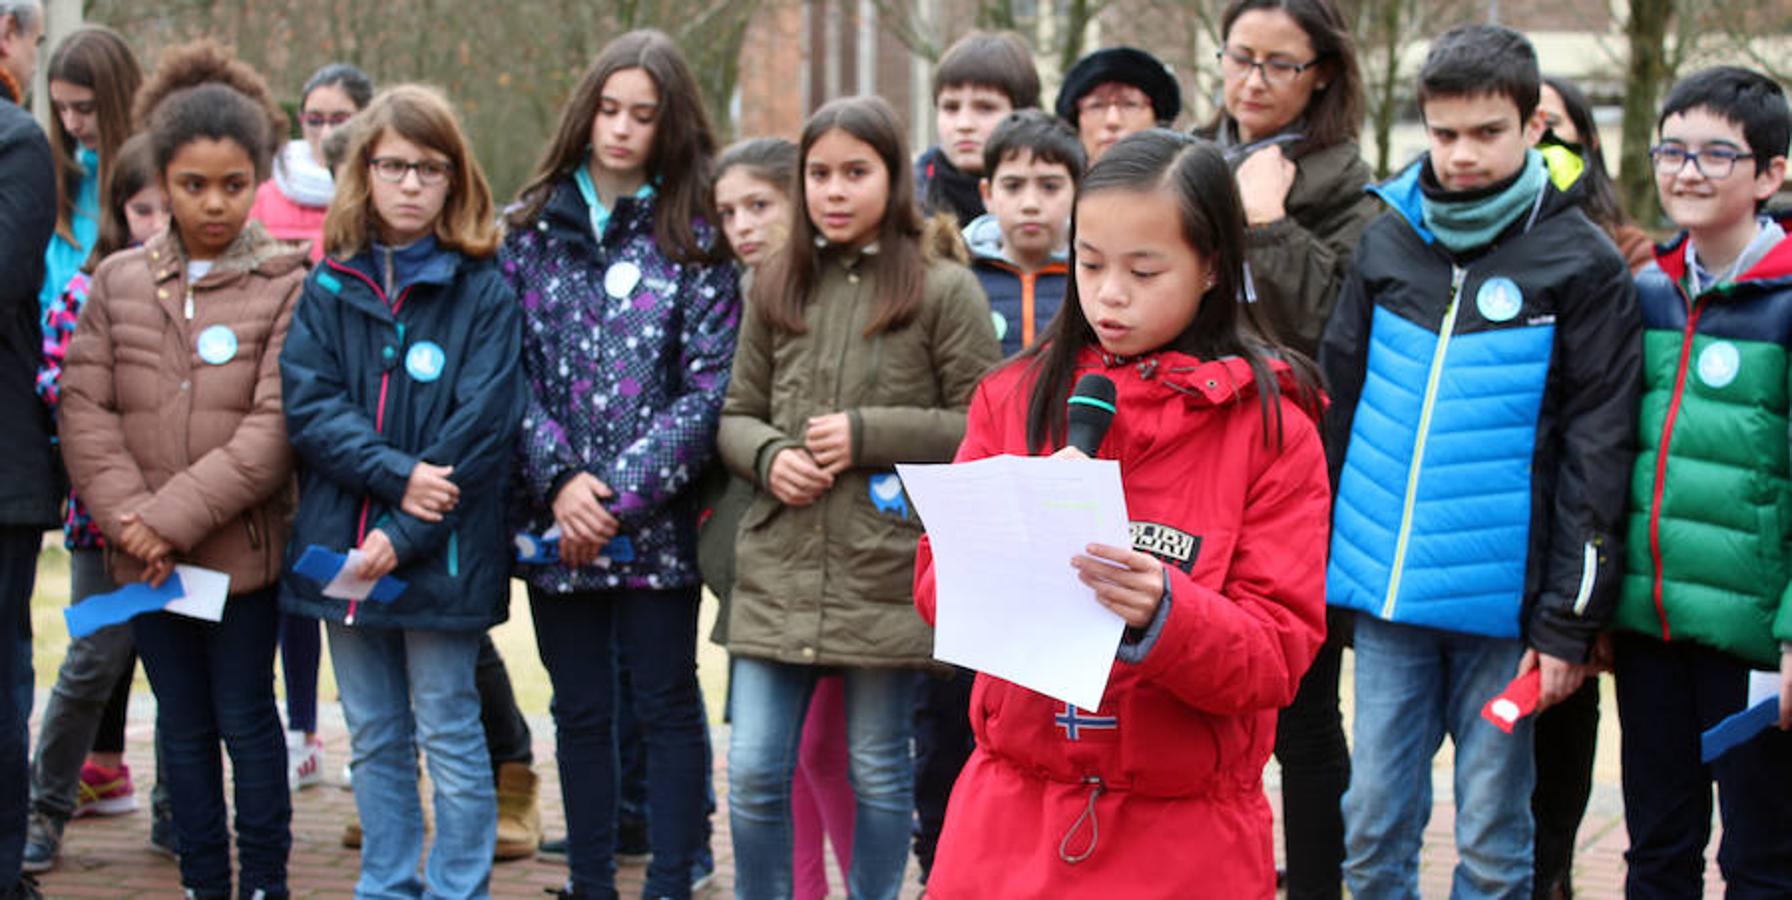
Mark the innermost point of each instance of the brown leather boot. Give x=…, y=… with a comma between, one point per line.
x=519, y=819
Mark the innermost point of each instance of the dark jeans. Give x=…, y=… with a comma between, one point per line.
x=301, y=648
x=506, y=731
x=943, y=742
x=631, y=792
x=577, y=635
x=110, y=736
x=1668, y=693
x=215, y=681
x=1567, y=736
x=1315, y=762
x=18, y=575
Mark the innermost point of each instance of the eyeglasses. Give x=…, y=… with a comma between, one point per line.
x=1237, y=64
x=1128, y=106
x=319, y=120
x=430, y=172
x=1715, y=163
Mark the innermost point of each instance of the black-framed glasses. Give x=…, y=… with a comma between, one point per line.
x=319, y=120
x=1238, y=64
x=1715, y=162
x=430, y=172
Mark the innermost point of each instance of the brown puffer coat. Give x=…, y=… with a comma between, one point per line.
x=196, y=446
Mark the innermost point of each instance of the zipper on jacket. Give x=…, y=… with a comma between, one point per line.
x=1589, y=573
x=1693, y=308
x=379, y=414
x=1444, y=331
x=188, y=308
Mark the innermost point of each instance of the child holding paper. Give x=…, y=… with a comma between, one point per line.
x=172, y=433
x=403, y=397
x=1157, y=793
x=1708, y=579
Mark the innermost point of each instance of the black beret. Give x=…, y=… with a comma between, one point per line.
x=1127, y=65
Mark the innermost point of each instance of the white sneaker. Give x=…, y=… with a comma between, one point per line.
x=304, y=760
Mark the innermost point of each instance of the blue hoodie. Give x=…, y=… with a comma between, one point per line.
x=1021, y=303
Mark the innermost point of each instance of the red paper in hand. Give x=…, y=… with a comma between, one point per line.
x=1518, y=700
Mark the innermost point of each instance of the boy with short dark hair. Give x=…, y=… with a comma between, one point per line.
x=1708, y=587
x=1033, y=163
x=982, y=77
x=1484, y=362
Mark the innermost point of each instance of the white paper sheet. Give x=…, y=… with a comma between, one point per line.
x=205, y=591
x=1004, y=530
x=1762, y=686
x=345, y=586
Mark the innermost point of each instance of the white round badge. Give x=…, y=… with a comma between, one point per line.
x=217, y=345
x=425, y=361
x=1719, y=363
x=1001, y=323
x=621, y=278
x=1499, y=299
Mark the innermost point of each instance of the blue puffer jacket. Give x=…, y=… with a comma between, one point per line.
x=1481, y=429
x=627, y=356
x=373, y=384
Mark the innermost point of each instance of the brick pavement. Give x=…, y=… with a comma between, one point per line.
x=111, y=857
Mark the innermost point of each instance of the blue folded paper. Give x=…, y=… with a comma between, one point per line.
x=535, y=549
x=1734, y=730
x=122, y=605
x=321, y=565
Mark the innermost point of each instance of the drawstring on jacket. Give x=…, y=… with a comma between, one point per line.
x=1096, y=789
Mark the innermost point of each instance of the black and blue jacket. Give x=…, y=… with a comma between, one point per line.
x=1481, y=429
x=374, y=383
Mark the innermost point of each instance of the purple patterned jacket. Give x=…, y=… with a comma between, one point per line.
x=627, y=356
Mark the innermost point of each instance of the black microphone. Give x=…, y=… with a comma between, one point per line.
x=1091, y=411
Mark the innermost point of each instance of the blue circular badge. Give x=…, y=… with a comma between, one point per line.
x=217, y=345
x=1499, y=299
x=1719, y=363
x=425, y=361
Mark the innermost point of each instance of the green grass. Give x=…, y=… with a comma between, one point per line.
x=515, y=640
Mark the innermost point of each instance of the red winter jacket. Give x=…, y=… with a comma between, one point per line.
x=1160, y=790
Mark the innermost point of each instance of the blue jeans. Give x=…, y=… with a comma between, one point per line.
x=579, y=636
x=18, y=575
x=402, y=690
x=770, y=701
x=215, y=680
x=1413, y=686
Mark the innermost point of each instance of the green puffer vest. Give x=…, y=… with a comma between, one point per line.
x=1710, y=532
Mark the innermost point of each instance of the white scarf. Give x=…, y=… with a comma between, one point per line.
x=300, y=178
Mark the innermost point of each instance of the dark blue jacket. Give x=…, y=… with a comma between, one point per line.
x=362, y=408
x=28, y=488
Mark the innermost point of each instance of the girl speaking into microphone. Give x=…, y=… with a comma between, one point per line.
x=1158, y=793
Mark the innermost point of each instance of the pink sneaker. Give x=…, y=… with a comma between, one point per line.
x=105, y=792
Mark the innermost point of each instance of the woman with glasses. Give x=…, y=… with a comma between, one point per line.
x=291, y=206
x=1293, y=107
x=1114, y=92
